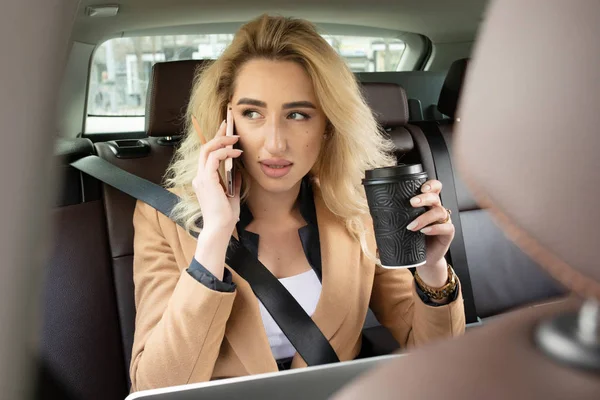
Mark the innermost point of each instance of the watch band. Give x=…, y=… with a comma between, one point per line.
x=442, y=292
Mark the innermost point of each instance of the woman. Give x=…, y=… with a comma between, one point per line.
x=307, y=137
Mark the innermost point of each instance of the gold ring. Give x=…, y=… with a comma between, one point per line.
x=447, y=219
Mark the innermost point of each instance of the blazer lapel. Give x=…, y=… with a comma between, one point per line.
x=340, y=259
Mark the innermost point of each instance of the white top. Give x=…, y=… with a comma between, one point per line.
x=306, y=289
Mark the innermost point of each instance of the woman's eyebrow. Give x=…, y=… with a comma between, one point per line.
x=258, y=103
x=299, y=104
x=251, y=102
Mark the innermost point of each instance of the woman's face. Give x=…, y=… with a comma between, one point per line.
x=279, y=121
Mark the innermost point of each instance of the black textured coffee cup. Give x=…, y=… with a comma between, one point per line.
x=389, y=191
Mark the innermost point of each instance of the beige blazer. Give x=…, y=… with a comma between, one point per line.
x=187, y=333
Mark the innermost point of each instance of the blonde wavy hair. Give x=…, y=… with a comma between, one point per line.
x=355, y=141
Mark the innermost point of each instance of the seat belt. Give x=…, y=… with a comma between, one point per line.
x=457, y=253
x=295, y=323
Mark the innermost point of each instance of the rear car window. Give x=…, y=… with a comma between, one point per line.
x=121, y=69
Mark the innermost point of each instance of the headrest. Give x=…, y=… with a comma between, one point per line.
x=537, y=167
x=388, y=102
x=168, y=96
x=453, y=83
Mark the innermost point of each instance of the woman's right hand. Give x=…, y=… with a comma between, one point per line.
x=219, y=212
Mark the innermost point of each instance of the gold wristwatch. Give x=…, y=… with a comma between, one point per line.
x=442, y=292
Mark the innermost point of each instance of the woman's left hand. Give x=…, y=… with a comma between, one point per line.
x=439, y=234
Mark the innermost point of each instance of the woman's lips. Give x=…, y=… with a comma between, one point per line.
x=276, y=169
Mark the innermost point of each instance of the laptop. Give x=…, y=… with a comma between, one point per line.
x=318, y=382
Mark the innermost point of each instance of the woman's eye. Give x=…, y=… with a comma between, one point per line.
x=251, y=114
x=298, y=116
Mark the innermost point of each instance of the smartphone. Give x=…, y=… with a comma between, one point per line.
x=229, y=165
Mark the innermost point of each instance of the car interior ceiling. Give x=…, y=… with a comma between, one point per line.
x=88, y=297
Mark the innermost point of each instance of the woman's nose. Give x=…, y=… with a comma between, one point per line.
x=275, y=142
